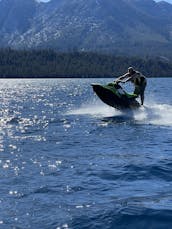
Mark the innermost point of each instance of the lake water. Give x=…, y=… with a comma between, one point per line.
x=69, y=161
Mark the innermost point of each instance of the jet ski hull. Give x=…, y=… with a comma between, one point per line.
x=113, y=95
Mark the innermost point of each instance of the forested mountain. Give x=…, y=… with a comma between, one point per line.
x=48, y=63
x=130, y=27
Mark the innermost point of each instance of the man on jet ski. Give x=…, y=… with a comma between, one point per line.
x=137, y=79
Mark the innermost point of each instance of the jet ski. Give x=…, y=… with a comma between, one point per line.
x=115, y=96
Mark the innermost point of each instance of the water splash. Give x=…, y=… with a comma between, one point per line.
x=97, y=109
x=155, y=114
x=152, y=113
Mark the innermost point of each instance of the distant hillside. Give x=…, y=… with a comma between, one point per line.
x=48, y=63
x=130, y=27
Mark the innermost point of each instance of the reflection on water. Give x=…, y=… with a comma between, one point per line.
x=69, y=161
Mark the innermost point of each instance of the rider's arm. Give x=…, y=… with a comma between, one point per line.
x=132, y=77
x=121, y=78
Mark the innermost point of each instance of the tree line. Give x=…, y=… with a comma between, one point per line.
x=50, y=63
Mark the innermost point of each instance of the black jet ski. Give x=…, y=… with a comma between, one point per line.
x=115, y=96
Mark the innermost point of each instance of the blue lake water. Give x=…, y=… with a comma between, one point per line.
x=69, y=161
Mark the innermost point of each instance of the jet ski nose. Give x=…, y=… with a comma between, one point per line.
x=93, y=84
x=96, y=87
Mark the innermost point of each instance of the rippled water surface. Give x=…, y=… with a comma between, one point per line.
x=69, y=161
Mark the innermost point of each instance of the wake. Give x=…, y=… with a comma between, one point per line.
x=95, y=109
x=155, y=114
x=151, y=113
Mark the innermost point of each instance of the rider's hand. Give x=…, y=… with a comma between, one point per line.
x=116, y=81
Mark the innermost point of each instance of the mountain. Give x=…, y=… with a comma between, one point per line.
x=130, y=27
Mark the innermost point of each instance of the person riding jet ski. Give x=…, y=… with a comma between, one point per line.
x=138, y=79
